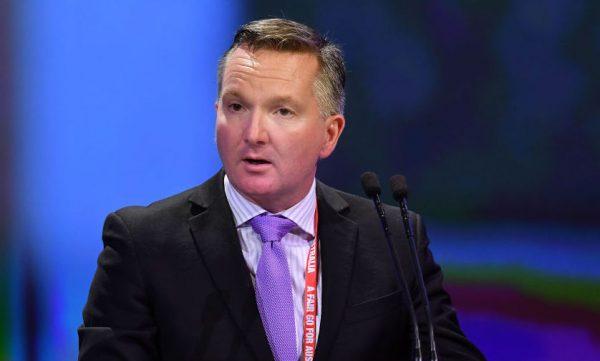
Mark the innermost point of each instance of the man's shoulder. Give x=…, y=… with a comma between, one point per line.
x=175, y=208
x=343, y=199
x=359, y=208
x=154, y=222
x=174, y=203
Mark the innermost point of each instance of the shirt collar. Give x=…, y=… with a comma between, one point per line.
x=301, y=213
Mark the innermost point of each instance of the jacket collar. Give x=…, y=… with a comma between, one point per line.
x=213, y=228
x=209, y=191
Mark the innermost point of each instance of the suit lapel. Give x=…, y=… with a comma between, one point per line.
x=337, y=236
x=214, y=232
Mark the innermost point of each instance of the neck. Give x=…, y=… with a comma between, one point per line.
x=278, y=203
x=275, y=203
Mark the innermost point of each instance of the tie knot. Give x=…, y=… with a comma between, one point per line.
x=271, y=228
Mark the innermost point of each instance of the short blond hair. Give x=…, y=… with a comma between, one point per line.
x=286, y=35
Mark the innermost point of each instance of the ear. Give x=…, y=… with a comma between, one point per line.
x=334, y=125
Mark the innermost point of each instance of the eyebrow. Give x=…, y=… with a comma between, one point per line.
x=279, y=99
x=283, y=99
x=231, y=93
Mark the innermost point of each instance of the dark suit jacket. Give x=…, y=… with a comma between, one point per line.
x=172, y=284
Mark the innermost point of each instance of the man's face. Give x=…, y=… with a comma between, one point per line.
x=270, y=132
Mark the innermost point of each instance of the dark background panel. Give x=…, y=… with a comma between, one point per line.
x=489, y=108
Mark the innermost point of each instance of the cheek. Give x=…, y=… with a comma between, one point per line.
x=225, y=140
x=225, y=131
x=219, y=136
x=306, y=153
x=315, y=143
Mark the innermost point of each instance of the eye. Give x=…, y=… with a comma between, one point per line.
x=235, y=107
x=285, y=112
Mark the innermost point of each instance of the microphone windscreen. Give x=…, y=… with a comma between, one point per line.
x=370, y=184
x=399, y=187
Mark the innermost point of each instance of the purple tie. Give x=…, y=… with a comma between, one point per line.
x=274, y=286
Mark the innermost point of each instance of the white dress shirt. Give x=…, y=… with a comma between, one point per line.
x=296, y=245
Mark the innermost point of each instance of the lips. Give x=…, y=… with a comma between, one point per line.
x=256, y=161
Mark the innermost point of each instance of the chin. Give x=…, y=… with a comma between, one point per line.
x=254, y=187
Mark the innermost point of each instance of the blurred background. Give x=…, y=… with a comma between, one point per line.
x=490, y=108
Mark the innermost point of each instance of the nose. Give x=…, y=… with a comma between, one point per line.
x=256, y=131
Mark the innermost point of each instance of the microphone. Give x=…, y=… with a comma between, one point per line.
x=400, y=193
x=370, y=184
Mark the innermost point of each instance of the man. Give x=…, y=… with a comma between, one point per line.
x=262, y=261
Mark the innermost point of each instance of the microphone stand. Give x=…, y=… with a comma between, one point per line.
x=400, y=192
x=372, y=189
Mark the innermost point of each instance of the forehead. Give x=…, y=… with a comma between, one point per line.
x=267, y=65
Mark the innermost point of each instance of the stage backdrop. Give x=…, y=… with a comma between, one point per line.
x=489, y=108
x=113, y=105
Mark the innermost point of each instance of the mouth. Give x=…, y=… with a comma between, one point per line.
x=256, y=161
